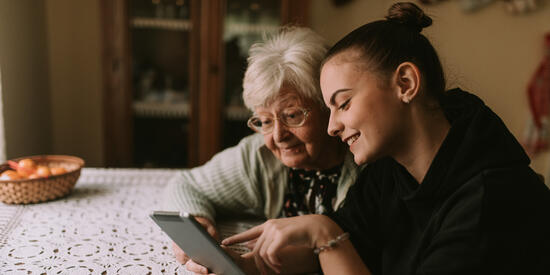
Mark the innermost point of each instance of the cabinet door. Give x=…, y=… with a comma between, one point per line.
x=245, y=22
x=162, y=46
x=234, y=26
x=156, y=40
x=173, y=75
x=117, y=116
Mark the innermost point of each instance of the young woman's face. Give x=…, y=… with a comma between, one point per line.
x=305, y=147
x=365, y=116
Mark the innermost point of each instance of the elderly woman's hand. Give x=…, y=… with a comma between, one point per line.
x=210, y=228
x=245, y=262
x=274, y=235
x=197, y=268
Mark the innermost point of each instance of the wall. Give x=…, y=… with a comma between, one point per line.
x=25, y=85
x=489, y=52
x=74, y=43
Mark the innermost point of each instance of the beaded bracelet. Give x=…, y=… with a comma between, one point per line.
x=331, y=244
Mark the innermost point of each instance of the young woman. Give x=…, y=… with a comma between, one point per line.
x=448, y=189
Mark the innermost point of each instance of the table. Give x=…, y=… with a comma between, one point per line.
x=102, y=227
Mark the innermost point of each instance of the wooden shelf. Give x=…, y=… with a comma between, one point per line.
x=161, y=23
x=161, y=109
x=237, y=113
x=182, y=110
x=251, y=28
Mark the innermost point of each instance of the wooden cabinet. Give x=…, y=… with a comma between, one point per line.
x=173, y=75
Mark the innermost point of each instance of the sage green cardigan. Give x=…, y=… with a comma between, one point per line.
x=246, y=178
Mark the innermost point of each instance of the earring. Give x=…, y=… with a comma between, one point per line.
x=406, y=100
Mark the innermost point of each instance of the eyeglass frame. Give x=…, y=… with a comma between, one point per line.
x=277, y=117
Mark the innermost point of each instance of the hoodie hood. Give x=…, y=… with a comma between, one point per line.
x=477, y=141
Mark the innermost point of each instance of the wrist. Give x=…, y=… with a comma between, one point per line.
x=327, y=230
x=202, y=219
x=332, y=243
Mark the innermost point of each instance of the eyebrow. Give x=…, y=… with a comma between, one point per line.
x=287, y=101
x=333, y=96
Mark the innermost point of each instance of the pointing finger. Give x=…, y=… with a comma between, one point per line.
x=250, y=234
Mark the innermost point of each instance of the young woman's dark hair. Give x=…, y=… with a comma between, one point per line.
x=384, y=44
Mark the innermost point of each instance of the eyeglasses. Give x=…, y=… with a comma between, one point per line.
x=291, y=117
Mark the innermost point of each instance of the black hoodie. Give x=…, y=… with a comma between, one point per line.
x=479, y=210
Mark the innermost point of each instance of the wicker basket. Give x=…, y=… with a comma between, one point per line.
x=26, y=191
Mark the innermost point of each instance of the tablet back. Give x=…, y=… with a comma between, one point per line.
x=190, y=236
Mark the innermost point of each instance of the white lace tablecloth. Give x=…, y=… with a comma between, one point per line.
x=102, y=227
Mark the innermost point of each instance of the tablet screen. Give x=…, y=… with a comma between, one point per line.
x=190, y=236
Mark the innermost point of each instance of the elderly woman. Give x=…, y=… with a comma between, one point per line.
x=291, y=166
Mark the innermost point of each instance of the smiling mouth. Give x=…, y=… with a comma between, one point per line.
x=352, y=139
x=292, y=149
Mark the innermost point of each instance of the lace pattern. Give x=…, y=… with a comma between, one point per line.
x=102, y=227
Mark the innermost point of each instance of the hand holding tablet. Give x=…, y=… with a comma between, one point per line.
x=197, y=243
x=180, y=255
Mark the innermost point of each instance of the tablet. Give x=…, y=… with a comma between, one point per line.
x=192, y=237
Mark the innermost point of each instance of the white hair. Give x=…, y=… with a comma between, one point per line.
x=292, y=57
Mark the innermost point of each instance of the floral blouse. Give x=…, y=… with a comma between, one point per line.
x=311, y=192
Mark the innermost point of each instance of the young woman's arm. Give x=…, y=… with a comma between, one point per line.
x=296, y=260
x=342, y=260
x=311, y=231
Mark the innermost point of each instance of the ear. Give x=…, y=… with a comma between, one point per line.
x=407, y=79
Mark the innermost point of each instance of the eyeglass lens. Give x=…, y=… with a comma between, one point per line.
x=291, y=117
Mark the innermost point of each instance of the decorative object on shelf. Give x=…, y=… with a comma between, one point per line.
x=339, y=3
x=146, y=83
x=430, y=2
x=170, y=11
x=159, y=8
x=538, y=93
x=465, y=5
x=49, y=187
x=520, y=6
x=474, y=5
x=511, y=6
x=183, y=10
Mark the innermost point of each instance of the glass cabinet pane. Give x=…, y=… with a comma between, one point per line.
x=245, y=23
x=173, y=75
x=160, y=33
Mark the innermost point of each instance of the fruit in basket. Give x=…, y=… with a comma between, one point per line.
x=27, y=164
x=33, y=176
x=29, y=169
x=10, y=175
x=42, y=171
x=58, y=170
x=24, y=167
x=29, y=190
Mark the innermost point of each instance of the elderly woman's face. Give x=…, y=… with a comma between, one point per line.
x=298, y=147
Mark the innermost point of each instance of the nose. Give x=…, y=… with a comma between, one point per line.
x=334, y=127
x=280, y=131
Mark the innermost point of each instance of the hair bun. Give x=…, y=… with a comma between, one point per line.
x=409, y=14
